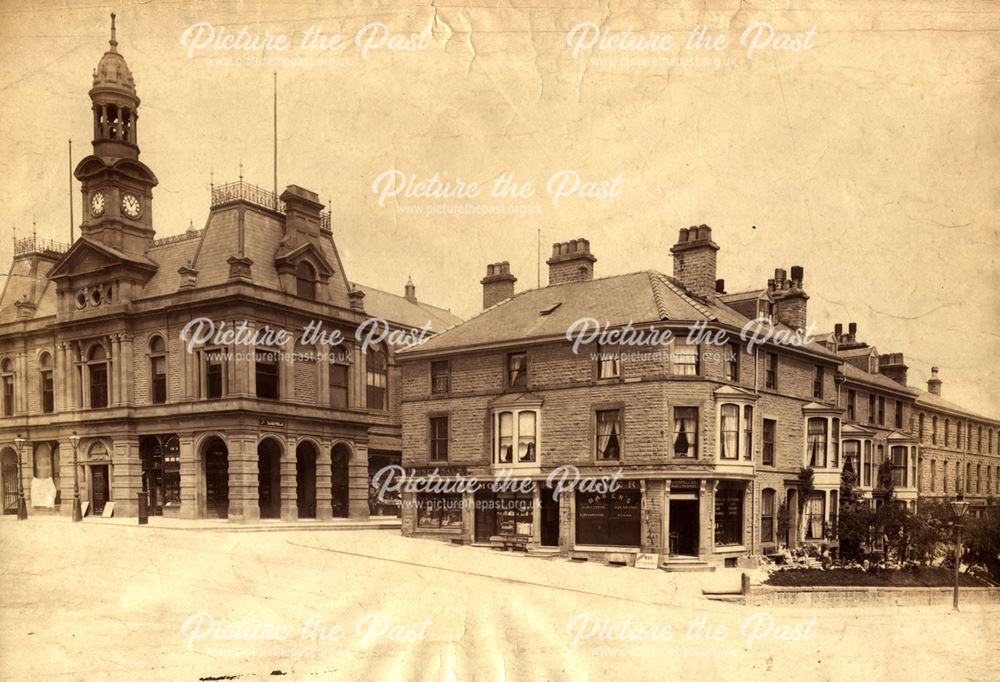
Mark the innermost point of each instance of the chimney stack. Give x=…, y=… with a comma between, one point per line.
x=411, y=291
x=498, y=284
x=571, y=262
x=893, y=366
x=934, y=384
x=789, y=297
x=694, y=260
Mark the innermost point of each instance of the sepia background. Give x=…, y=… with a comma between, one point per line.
x=870, y=159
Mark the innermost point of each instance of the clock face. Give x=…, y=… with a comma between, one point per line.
x=97, y=203
x=131, y=205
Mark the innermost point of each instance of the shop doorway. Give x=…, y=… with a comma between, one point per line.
x=305, y=480
x=485, y=514
x=550, y=517
x=216, y=457
x=100, y=489
x=8, y=472
x=269, y=479
x=683, y=528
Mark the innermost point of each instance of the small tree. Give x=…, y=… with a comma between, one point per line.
x=981, y=538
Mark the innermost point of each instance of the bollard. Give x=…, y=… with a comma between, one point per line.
x=143, y=515
x=744, y=584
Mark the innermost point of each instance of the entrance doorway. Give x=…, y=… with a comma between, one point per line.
x=99, y=488
x=684, y=527
x=216, y=457
x=269, y=479
x=8, y=472
x=339, y=458
x=305, y=480
x=550, y=517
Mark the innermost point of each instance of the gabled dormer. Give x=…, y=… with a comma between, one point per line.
x=304, y=271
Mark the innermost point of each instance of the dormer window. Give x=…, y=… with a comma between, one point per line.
x=305, y=281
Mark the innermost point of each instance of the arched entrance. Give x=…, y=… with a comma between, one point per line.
x=8, y=474
x=215, y=455
x=305, y=479
x=340, y=456
x=269, y=478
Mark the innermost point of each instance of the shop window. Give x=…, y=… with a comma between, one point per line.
x=609, y=435
x=686, y=432
x=609, y=519
x=729, y=514
x=439, y=510
x=440, y=377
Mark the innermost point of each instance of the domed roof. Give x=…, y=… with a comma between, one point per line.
x=112, y=71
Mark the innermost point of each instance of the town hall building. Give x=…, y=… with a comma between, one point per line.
x=94, y=370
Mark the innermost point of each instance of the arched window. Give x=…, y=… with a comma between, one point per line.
x=305, y=281
x=377, y=369
x=947, y=433
x=767, y=516
x=97, y=372
x=46, y=386
x=7, y=379
x=921, y=427
x=958, y=436
x=979, y=439
x=158, y=369
x=934, y=430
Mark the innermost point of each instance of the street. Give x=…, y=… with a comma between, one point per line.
x=113, y=601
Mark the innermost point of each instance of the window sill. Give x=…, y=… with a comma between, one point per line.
x=628, y=549
x=726, y=549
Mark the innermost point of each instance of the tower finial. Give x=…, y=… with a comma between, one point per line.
x=114, y=40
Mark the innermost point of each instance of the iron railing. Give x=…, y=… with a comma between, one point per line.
x=30, y=245
x=258, y=196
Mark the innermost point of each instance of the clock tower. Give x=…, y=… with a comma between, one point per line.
x=117, y=187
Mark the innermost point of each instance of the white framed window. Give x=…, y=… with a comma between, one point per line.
x=608, y=362
x=735, y=432
x=516, y=437
x=686, y=359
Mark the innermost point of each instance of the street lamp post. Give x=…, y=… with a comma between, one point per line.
x=22, y=508
x=77, y=514
x=959, y=506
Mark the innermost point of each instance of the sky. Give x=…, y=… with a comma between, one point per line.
x=869, y=155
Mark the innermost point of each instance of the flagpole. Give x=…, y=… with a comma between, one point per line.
x=71, y=220
x=275, y=74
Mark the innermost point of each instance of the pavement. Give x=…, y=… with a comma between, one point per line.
x=100, y=600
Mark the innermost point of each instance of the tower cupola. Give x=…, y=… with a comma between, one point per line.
x=115, y=104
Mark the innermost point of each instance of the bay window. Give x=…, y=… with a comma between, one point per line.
x=686, y=432
x=729, y=431
x=816, y=436
x=852, y=456
x=866, y=479
x=900, y=469
x=515, y=441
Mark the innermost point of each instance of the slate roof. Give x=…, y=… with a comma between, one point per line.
x=855, y=374
x=207, y=250
x=638, y=297
x=935, y=401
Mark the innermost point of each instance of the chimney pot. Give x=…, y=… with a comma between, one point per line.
x=852, y=329
x=838, y=330
x=720, y=286
x=797, y=274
